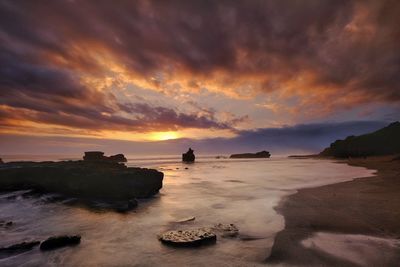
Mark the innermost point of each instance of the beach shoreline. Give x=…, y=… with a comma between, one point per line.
x=363, y=206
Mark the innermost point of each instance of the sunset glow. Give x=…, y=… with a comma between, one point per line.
x=164, y=136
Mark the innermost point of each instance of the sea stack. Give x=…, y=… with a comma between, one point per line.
x=188, y=156
x=1, y=161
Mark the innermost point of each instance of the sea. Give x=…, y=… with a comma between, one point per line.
x=243, y=192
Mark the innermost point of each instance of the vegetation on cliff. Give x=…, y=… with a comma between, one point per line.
x=385, y=141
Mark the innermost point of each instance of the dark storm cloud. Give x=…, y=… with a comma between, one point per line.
x=45, y=47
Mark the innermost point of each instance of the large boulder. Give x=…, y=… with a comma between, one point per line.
x=261, y=154
x=188, y=156
x=59, y=242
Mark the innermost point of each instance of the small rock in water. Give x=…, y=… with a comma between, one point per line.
x=60, y=241
x=17, y=248
x=188, y=238
x=6, y=223
x=227, y=230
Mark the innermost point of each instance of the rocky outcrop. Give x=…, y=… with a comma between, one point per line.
x=99, y=156
x=106, y=181
x=188, y=156
x=1, y=161
x=59, y=242
x=261, y=154
x=385, y=141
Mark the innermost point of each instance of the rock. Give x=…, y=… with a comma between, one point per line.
x=188, y=238
x=261, y=154
x=1, y=161
x=117, y=158
x=94, y=156
x=99, y=156
x=188, y=156
x=226, y=230
x=17, y=248
x=60, y=241
x=6, y=223
x=86, y=180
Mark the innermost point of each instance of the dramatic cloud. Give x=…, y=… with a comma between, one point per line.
x=70, y=66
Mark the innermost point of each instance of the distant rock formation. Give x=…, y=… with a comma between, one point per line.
x=1, y=161
x=261, y=154
x=188, y=156
x=99, y=156
x=385, y=141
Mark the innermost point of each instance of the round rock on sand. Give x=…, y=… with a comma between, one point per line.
x=188, y=238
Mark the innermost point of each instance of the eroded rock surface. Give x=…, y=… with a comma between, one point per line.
x=188, y=238
x=226, y=230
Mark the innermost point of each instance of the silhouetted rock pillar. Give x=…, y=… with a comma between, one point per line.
x=188, y=156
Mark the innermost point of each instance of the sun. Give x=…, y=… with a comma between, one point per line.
x=161, y=136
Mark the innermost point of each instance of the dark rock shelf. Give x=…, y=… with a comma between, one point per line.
x=103, y=180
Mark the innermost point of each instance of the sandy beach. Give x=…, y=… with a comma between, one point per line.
x=347, y=218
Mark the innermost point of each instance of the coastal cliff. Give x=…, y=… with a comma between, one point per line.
x=385, y=141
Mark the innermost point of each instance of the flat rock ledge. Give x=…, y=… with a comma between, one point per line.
x=86, y=181
x=188, y=238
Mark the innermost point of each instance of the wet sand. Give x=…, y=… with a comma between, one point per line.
x=352, y=217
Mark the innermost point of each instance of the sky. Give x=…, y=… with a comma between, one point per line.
x=222, y=76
